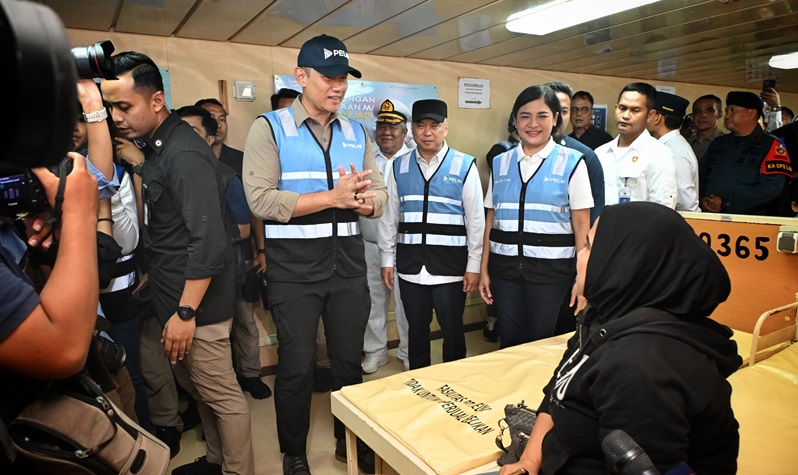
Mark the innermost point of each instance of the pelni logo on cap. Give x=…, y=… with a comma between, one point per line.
x=338, y=52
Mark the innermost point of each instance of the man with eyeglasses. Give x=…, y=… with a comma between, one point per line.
x=581, y=116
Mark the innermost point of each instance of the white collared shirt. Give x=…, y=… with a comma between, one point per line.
x=645, y=167
x=369, y=228
x=686, y=170
x=474, y=221
x=580, y=195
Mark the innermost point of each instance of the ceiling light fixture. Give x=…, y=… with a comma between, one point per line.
x=561, y=14
x=784, y=61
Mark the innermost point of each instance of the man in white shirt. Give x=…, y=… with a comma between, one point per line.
x=664, y=126
x=636, y=166
x=433, y=230
x=389, y=136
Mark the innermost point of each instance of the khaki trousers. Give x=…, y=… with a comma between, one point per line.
x=222, y=406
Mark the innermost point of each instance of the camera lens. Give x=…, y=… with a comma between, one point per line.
x=94, y=61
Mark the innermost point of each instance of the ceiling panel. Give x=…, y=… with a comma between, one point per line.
x=592, y=33
x=628, y=41
x=465, y=31
x=712, y=54
x=214, y=20
x=151, y=17
x=391, y=38
x=92, y=14
x=354, y=17
x=284, y=19
x=698, y=41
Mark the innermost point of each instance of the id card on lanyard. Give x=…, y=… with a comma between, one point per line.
x=624, y=193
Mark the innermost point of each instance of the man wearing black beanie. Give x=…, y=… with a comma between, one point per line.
x=748, y=170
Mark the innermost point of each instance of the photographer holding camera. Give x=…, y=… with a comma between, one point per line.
x=47, y=336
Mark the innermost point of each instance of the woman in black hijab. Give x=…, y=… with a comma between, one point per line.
x=645, y=359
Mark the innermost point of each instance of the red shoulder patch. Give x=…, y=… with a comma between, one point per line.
x=777, y=162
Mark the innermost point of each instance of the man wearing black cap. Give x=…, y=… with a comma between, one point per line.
x=746, y=171
x=308, y=174
x=665, y=126
x=433, y=229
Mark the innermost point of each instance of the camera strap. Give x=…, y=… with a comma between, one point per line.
x=63, y=171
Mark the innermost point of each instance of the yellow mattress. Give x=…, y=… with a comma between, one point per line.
x=765, y=403
x=447, y=414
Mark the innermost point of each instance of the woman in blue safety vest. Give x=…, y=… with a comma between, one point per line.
x=538, y=203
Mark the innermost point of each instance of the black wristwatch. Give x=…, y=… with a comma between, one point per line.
x=186, y=312
x=262, y=251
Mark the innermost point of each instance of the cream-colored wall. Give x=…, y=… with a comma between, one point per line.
x=196, y=66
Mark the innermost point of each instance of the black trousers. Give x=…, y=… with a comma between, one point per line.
x=528, y=311
x=344, y=304
x=448, y=300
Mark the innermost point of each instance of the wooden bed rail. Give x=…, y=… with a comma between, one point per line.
x=789, y=333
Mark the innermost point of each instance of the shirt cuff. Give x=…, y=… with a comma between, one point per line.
x=387, y=260
x=473, y=265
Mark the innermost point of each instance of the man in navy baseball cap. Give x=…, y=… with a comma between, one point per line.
x=327, y=55
x=308, y=175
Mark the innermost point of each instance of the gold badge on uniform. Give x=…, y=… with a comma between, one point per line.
x=634, y=159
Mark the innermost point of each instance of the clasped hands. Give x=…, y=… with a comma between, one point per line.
x=351, y=190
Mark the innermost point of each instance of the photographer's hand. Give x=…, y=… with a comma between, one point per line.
x=39, y=231
x=81, y=196
x=53, y=341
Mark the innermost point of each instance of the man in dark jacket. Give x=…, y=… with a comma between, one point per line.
x=186, y=250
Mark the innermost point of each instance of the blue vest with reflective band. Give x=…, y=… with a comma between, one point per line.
x=432, y=230
x=311, y=247
x=531, y=235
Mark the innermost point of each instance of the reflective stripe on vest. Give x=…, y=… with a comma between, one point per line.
x=311, y=247
x=545, y=207
x=444, y=204
x=432, y=230
x=311, y=231
x=303, y=166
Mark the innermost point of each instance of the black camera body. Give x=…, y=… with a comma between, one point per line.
x=20, y=192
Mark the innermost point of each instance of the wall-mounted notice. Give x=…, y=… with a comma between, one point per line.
x=473, y=93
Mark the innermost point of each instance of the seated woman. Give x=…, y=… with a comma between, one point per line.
x=538, y=203
x=646, y=359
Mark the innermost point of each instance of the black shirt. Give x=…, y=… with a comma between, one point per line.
x=500, y=148
x=232, y=158
x=183, y=231
x=593, y=138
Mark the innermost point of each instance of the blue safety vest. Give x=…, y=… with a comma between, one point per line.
x=432, y=230
x=311, y=247
x=531, y=235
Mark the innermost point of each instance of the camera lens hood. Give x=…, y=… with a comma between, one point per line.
x=40, y=88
